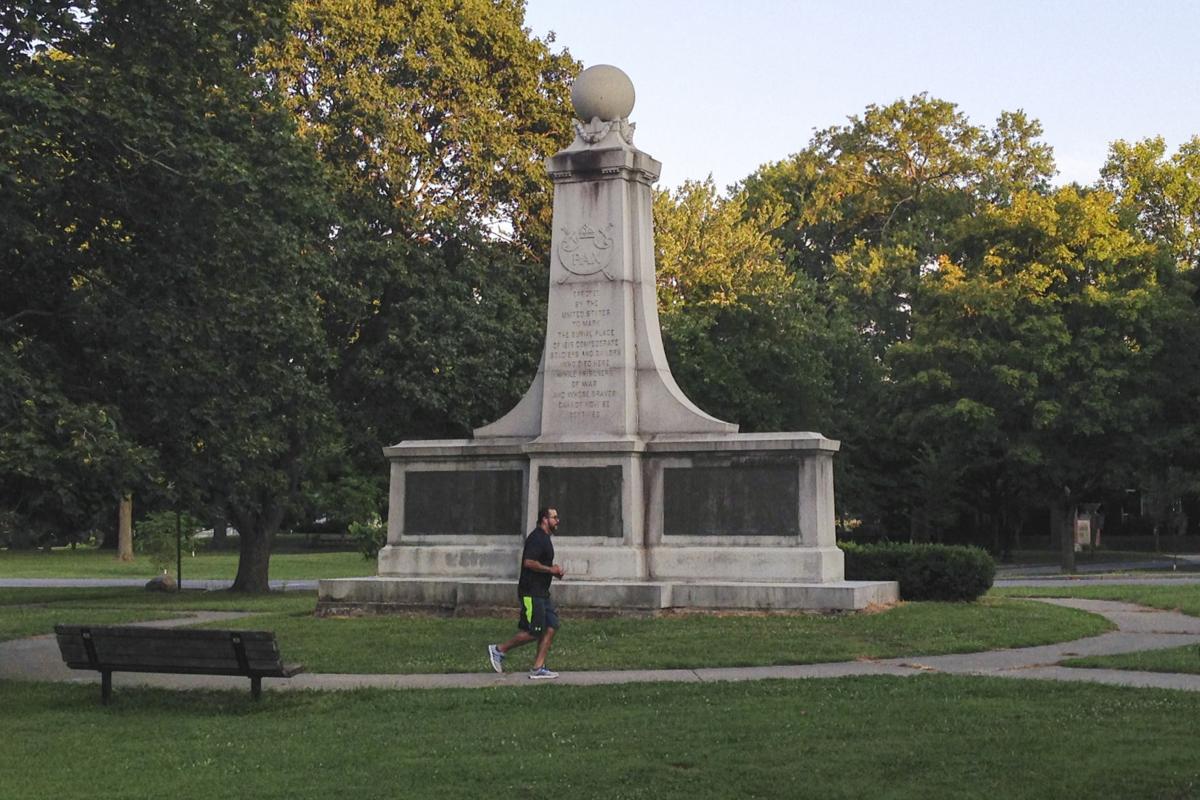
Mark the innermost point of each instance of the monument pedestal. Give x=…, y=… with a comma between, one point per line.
x=660, y=504
x=701, y=521
x=451, y=596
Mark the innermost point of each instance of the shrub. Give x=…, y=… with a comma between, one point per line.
x=924, y=571
x=154, y=536
x=370, y=536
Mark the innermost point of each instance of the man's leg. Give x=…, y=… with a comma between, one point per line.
x=522, y=637
x=525, y=635
x=543, y=649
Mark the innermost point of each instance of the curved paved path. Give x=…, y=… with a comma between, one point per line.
x=1139, y=628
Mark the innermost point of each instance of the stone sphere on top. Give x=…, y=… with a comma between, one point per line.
x=602, y=91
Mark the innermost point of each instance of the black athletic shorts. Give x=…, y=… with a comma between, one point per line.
x=537, y=614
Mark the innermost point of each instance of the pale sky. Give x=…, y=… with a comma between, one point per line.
x=723, y=87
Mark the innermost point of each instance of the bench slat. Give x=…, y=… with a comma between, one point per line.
x=221, y=648
x=177, y=634
x=75, y=652
x=279, y=671
x=117, y=660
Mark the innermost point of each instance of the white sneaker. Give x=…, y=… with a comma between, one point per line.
x=541, y=674
x=496, y=657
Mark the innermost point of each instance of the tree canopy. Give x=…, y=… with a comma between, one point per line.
x=244, y=245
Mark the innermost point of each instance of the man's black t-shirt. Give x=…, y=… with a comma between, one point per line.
x=539, y=548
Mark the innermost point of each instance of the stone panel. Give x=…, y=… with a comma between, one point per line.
x=467, y=502
x=587, y=498
x=733, y=500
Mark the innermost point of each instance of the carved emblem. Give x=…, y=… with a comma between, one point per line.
x=586, y=251
x=595, y=131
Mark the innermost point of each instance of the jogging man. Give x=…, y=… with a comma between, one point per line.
x=538, y=620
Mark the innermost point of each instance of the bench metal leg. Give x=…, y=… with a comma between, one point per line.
x=255, y=687
x=105, y=686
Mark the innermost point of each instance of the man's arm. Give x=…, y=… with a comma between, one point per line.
x=538, y=566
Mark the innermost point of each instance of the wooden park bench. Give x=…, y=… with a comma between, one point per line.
x=124, y=648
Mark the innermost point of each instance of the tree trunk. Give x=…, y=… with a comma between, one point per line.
x=256, y=535
x=125, y=529
x=254, y=560
x=220, y=532
x=1062, y=524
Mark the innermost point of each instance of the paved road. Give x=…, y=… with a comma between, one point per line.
x=1139, y=628
x=1173, y=565
x=1147, y=579
x=1170, y=569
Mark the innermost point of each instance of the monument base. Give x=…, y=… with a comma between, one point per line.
x=449, y=595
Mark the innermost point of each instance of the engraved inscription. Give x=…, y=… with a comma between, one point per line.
x=584, y=349
x=586, y=251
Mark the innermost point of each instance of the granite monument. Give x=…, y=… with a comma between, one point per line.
x=662, y=505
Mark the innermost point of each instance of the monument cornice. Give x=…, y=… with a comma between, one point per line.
x=614, y=163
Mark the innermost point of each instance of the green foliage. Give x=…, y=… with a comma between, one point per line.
x=432, y=114
x=61, y=461
x=166, y=236
x=433, y=120
x=867, y=204
x=370, y=536
x=1158, y=196
x=746, y=339
x=243, y=245
x=343, y=500
x=163, y=535
x=869, y=208
x=924, y=571
x=1023, y=375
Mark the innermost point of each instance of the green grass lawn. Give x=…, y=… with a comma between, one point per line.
x=432, y=644
x=1184, y=597
x=20, y=622
x=1184, y=659
x=88, y=562
x=425, y=643
x=922, y=737
x=35, y=611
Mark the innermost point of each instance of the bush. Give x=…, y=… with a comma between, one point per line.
x=369, y=536
x=924, y=571
x=155, y=537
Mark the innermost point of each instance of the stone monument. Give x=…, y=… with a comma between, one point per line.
x=662, y=505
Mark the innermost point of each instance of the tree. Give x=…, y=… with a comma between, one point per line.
x=433, y=119
x=64, y=454
x=871, y=204
x=433, y=113
x=869, y=209
x=171, y=238
x=1157, y=199
x=1156, y=196
x=62, y=458
x=1030, y=355
x=746, y=338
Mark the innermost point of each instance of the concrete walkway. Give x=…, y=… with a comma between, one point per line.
x=1139, y=628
